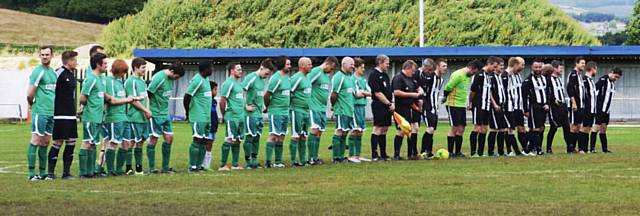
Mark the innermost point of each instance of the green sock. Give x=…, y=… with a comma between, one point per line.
x=293, y=150
x=302, y=151
x=129, y=157
x=31, y=159
x=42, y=160
x=166, y=156
x=109, y=158
x=235, y=154
x=358, y=141
x=91, y=170
x=151, y=156
x=343, y=145
x=202, y=152
x=246, y=147
x=279, y=148
x=194, y=153
x=335, y=142
x=225, y=153
x=352, y=146
x=83, y=155
x=269, y=153
x=120, y=158
x=316, y=148
x=255, y=149
x=309, y=143
x=137, y=153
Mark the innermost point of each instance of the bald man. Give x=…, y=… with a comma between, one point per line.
x=299, y=112
x=342, y=102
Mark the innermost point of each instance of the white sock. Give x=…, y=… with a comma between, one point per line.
x=206, y=163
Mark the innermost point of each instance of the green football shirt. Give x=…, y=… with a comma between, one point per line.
x=160, y=88
x=320, y=87
x=115, y=113
x=343, y=85
x=300, y=92
x=232, y=90
x=93, y=89
x=136, y=87
x=44, y=79
x=459, y=84
x=279, y=87
x=200, y=106
x=254, y=87
x=361, y=85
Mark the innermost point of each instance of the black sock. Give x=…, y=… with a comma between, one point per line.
x=567, y=137
x=67, y=158
x=374, y=145
x=593, y=136
x=572, y=138
x=481, y=140
x=533, y=141
x=507, y=142
x=491, y=143
x=450, y=143
x=414, y=144
x=53, y=158
x=429, y=148
x=603, y=142
x=382, y=142
x=550, y=136
x=473, y=141
x=583, y=141
x=458, y=146
x=397, y=145
x=423, y=147
x=511, y=141
x=500, y=140
x=522, y=138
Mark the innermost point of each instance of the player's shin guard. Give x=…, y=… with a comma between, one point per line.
x=91, y=163
x=335, y=142
x=593, y=138
x=413, y=143
x=473, y=143
x=451, y=143
x=358, y=145
x=279, y=148
x=255, y=148
x=500, y=140
x=550, y=135
x=522, y=138
x=226, y=147
x=302, y=151
x=382, y=143
x=53, y=158
x=151, y=156
x=246, y=148
x=374, y=145
x=481, y=140
x=137, y=154
x=120, y=159
x=397, y=146
x=603, y=141
x=458, y=146
x=166, y=156
x=491, y=143
x=109, y=158
x=67, y=157
x=194, y=153
x=42, y=160
x=583, y=141
x=511, y=141
x=352, y=146
x=311, y=140
x=31, y=159
x=235, y=154
x=293, y=150
x=269, y=151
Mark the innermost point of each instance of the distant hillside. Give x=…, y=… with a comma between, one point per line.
x=337, y=23
x=29, y=29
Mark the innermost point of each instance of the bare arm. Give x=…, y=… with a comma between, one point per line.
x=223, y=106
x=31, y=94
x=267, y=99
x=402, y=94
x=116, y=101
x=382, y=98
x=333, y=98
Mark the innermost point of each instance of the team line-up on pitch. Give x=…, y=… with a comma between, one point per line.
x=128, y=113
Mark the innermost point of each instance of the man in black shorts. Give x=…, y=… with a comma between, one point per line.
x=480, y=100
x=407, y=93
x=515, y=108
x=64, y=120
x=558, y=115
x=381, y=106
x=431, y=83
x=590, y=107
x=576, y=92
x=498, y=122
x=606, y=87
x=534, y=96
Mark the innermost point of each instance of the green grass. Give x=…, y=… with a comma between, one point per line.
x=593, y=184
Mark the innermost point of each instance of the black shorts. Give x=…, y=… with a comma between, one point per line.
x=457, y=116
x=411, y=115
x=65, y=129
x=381, y=115
x=558, y=116
x=516, y=118
x=602, y=118
x=480, y=116
x=498, y=120
x=430, y=119
x=537, y=116
x=576, y=117
x=589, y=119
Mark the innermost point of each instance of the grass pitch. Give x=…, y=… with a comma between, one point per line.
x=559, y=184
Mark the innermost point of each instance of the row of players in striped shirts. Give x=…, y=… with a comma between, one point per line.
x=502, y=99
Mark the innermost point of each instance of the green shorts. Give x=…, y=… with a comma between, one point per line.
x=299, y=123
x=359, y=115
x=252, y=126
x=91, y=132
x=234, y=130
x=318, y=119
x=160, y=125
x=104, y=131
x=344, y=123
x=42, y=125
x=200, y=130
x=278, y=124
x=136, y=132
x=116, y=131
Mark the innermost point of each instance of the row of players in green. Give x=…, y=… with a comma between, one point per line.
x=301, y=98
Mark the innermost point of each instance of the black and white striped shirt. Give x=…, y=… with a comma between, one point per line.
x=575, y=88
x=590, y=94
x=514, y=93
x=606, y=90
x=534, y=91
x=481, y=86
x=498, y=90
x=432, y=85
x=556, y=89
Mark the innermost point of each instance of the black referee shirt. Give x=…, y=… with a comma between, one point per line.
x=65, y=101
x=405, y=84
x=379, y=82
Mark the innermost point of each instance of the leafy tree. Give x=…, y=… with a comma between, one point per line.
x=633, y=27
x=98, y=11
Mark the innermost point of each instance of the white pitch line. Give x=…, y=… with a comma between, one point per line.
x=4, y=170
x=179, y=192
x=537, y=172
